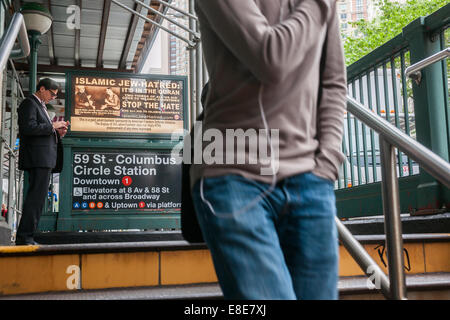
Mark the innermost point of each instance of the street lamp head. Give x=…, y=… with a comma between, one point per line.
x=37, y=17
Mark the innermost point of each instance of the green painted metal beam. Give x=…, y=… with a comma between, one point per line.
x=365, y=200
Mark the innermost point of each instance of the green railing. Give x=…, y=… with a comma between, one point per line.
x=421, y=110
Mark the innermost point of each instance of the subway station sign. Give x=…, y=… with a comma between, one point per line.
x=117, y=181
x=126, y=103
x=118, y=171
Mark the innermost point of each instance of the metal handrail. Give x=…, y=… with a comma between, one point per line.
x=415, y=72
x=16, y=28
x=362, y=258
x=390, y=136
x=432, y=163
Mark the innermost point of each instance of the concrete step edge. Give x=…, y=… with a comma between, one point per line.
x=212, y=291
x=170, y=245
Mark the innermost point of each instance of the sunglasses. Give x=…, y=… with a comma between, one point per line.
x=52, y=93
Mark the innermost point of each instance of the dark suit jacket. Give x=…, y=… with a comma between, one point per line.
x=38, y=142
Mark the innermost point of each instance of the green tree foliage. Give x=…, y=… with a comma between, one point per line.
x=391, y=18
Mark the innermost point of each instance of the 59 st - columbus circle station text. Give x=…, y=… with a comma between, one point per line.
x=122, y=164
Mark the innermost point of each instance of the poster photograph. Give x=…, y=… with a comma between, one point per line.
x=126, y=105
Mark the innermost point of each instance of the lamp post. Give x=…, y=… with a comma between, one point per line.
x=38, y=21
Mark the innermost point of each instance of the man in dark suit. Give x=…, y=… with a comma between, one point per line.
x=39, y=138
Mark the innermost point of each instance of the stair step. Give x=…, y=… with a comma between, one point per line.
x=437, y=223
x=192, y=292
x=424, y=281
x=134, y=246
x=419, y=286
x=52, y=268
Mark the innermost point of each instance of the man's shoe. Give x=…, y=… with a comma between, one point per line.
x=26, y=242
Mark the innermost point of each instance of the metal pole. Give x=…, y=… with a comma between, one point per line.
x=198, y=79
x=18, y=174
x=35, y=42
x=20, y=194
x=189, y=14
x=16, y=27
x=198, y=74
x=392, y=221
x=196, y=34
x=12, y=156
x=8, y=39
x=2, y=128
x=191, y=70
x=363, y=259
x=191, y=43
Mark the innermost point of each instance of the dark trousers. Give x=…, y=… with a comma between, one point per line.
x=38, y=181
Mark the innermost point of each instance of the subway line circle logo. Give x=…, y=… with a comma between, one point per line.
x=83, y=205
x=100, y=205
x=142, y=204
x=92, y=205
x=127, y=181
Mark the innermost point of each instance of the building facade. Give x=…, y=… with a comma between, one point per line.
x=352, y=11
x=178, y=58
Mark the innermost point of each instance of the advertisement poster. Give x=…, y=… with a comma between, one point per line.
x=116, y=181
x=126, y=105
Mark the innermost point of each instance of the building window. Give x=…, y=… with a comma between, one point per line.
x=359, y=5
x=343, y=16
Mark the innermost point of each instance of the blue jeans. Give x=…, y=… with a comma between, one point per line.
x=285, y=246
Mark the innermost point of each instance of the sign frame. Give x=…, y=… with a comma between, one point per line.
x=122, y=211
x=80, y=134
x=69, y=219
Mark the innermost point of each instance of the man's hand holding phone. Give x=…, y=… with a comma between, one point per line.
x=61, y=127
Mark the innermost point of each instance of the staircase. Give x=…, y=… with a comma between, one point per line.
x=175, y=269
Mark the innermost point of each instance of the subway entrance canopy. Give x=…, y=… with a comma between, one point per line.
x=95, y=35
x=118, y=169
